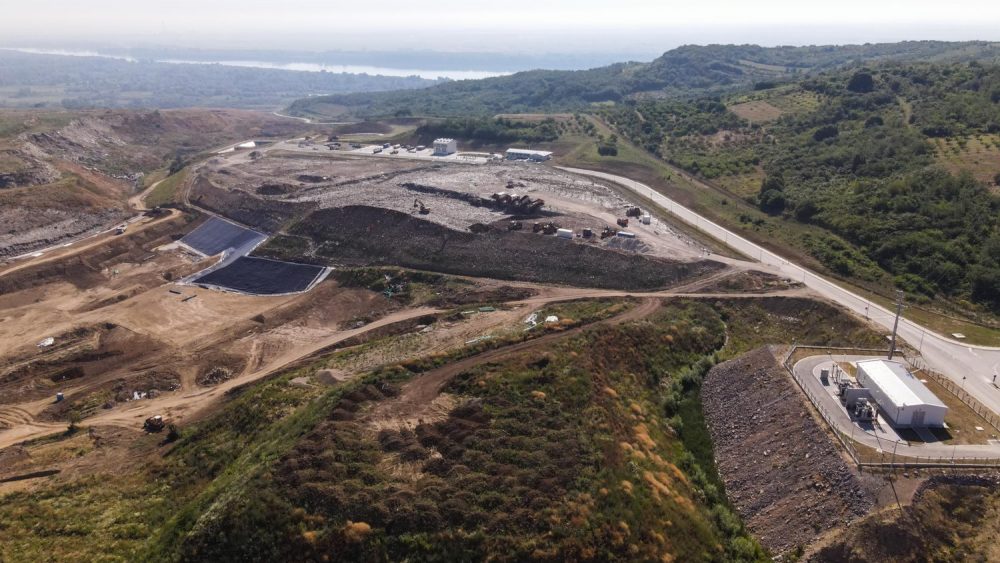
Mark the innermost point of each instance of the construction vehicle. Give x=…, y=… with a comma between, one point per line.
x=515, y=226
x=120, y=229
x=633, y=212
x=588, y=232
x=608, y=232
x=550, y=228
x=536, y=228
x=623, y=222
x=424, y=210
x=154, y=424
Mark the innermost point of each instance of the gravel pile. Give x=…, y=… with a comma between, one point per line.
x=782, y=471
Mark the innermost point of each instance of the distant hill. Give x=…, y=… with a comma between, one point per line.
x=688, y=70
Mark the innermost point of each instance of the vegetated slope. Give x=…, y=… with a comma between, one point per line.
x=57, y=81
x=856, y=162
x=560, y=452
x=361, y=235
x=681, y=71
x=952, y=518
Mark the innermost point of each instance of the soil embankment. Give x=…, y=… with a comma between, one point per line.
x=361, y=236
x=782, y=471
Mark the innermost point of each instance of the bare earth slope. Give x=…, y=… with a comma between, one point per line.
x=781, y=470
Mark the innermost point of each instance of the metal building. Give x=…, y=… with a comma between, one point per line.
x=902, y=398
x=444, y=147
x=525, y=154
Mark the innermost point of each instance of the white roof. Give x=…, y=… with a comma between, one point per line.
x=444, y=141
x=898, y=384
x=529, y=151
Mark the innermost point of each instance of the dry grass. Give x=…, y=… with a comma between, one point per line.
x=757, y=111
x=979, y=154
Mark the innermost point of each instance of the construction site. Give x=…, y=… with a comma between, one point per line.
x=323, y=271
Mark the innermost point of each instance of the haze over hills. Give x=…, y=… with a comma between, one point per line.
x=685, y=71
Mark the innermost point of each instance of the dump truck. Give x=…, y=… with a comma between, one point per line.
x=633, y=212
x=623, y=222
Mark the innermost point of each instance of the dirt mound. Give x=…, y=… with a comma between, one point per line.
x=25, y=166
x=267, y=216
x=361, y=235
x=781, y=469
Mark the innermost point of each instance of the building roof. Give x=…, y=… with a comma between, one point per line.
x=898, y=384
x=529, y=152
x=443, y=140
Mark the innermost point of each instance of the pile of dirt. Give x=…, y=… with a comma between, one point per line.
x=25, y=166
x=362, y=235
x=781, y=469
x=750, y=281
x=265, y=215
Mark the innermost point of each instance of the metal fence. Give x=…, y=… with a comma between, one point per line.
x=885, y=457
x=959, y=392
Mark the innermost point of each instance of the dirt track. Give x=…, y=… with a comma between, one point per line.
x=419, y=394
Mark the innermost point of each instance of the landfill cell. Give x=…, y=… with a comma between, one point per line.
x=261, y=276
x=216, y=235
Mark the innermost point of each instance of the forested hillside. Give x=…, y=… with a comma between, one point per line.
x=685, y=71
x=899, y=162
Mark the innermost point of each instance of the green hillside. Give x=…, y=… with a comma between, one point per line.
x=688, y=70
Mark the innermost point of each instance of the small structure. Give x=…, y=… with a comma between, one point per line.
x=625, y=234
x=444, y=147
x=904, y=400
x=564, y=233
x=526, y=154
x=247, y=145
x=45, y=343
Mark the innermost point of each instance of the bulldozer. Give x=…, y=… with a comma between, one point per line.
x=154, y=424
x=424, y=210
x=608, y=232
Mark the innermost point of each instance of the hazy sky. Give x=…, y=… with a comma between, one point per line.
x=550, y=25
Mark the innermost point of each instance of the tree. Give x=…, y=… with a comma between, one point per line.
x=861, y=82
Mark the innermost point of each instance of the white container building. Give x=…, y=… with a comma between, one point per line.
x=526, y=154
x=444, y=147
x=564, y=233
x=902, y=398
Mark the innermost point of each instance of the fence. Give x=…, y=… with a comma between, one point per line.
x=866, y=457
x=959, y=392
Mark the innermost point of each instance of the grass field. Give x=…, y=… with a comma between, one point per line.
x=166, y=191
x=757, y=111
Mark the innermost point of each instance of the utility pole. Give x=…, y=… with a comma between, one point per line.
x=895, y=325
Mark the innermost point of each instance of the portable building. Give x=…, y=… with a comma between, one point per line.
x=443, y=147
x=903, y=398
x=526, y=154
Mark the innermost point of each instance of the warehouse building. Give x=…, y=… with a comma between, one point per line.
x=525, y=154
x=901, y=397
x=444, y=147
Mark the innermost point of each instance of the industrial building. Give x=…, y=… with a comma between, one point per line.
x=902, y=398
x=444, y=147
x=526, y=154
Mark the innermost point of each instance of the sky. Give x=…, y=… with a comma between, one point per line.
x=476, y=25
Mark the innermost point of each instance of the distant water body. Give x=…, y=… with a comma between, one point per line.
x=300, y=67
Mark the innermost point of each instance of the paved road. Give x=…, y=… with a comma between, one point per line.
x=971, y=366
x=805, y=372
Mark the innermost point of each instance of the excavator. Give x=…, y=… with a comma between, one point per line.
x=424, y=210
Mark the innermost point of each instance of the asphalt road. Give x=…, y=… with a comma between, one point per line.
x=970, y=366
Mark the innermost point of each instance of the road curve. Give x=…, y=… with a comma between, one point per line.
x=970, y=366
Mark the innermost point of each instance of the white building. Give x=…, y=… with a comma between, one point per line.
x=525, y=154
x=902, y=398
x=444, y=147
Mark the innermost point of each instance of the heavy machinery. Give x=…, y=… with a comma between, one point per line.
x=515, y=226
x=424, y=210
x=623, y=221
x=608, y=232
x=154, y=424
x=633, y=212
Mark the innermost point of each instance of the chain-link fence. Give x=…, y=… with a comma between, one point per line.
x=887, y=454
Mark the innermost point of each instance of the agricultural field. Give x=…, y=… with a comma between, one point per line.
x=978, y=154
